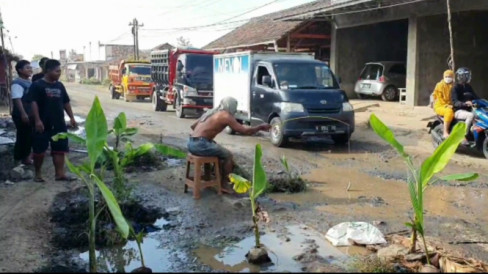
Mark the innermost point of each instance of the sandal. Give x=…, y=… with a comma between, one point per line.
x=66, y=178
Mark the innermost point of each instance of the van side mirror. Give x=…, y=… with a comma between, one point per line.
x=266, y=80
x=339, y=80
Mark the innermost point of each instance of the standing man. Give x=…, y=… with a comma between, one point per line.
x=21, y=112
x=39, y=75
x=211, y=123
x=49, y=102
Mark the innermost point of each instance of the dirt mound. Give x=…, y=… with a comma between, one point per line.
x=70, y=214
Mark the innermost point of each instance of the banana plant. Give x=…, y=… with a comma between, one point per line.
x=98, y=148
x=121, y=131
x=284, y=163
x=422, y=177
x=95, y=142
x=254, y=188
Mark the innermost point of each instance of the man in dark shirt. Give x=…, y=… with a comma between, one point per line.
x=462, y=96
x=49, y=101
x=39, y=75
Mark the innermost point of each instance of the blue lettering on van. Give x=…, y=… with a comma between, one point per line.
x=234, y=64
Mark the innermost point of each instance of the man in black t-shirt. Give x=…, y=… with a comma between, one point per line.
x=40, y=75
x=49, y=101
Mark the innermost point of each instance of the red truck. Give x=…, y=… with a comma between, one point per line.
x=183, y=78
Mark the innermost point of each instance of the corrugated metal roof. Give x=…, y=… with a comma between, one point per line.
x=347, y=7
x=264, y=29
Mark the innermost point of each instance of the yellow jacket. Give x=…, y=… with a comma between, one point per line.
x=442, y=92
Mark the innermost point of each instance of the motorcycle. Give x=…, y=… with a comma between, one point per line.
x=478, y=134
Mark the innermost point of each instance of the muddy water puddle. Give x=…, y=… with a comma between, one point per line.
x=127, y=258
x=289, y=252
x=344, y=190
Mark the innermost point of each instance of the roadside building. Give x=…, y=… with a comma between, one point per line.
x=414, y=31
x=350, y=33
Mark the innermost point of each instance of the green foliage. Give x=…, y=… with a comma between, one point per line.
x=91, y=81
x=255, y=189
x=96, y=132
x=423, y=177
x=292, y=183
x=99, y=151
x=96, y=142
x=106, y=82
x=284, y=163
x=37, y=57
x=169, y=151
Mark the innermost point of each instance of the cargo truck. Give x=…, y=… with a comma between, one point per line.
x=131, y=80
x=183, y=79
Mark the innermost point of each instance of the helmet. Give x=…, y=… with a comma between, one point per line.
x=463, y=75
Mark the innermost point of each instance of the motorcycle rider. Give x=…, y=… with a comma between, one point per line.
x=442, y=100
x=462, y=95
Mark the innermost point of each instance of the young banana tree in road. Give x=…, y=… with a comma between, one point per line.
x=421, y=178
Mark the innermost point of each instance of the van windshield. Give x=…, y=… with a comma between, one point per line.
x=304, y=76
x=372, y=72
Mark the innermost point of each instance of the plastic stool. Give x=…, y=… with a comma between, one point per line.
x=197, y=182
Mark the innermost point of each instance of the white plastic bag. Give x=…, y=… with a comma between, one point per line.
x=349, y=233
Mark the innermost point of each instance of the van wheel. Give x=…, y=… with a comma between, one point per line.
x=389, y=93
x=360, y=95
x=229, y=130
x=180, y=111
x=341, y=139
x=277, y=137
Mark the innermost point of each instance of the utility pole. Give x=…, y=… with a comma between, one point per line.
x=11, y=45
x=452, y=63
x=135, y=32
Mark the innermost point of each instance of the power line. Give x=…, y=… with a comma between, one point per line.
x=223, y=21
x=118, y=37
x=201, y=26
x=249, y=11
x=182, y=6
x=361, y=10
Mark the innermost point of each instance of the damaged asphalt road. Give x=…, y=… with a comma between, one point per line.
x=363, y=182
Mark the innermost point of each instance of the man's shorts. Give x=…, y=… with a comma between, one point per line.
x=41, y=142
x=201, y=146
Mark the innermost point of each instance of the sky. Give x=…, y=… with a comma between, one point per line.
x=41, y=27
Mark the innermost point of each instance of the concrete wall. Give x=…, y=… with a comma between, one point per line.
x=470, y=50
x=356, y=46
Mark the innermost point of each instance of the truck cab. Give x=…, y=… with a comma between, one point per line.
x=131, y=79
